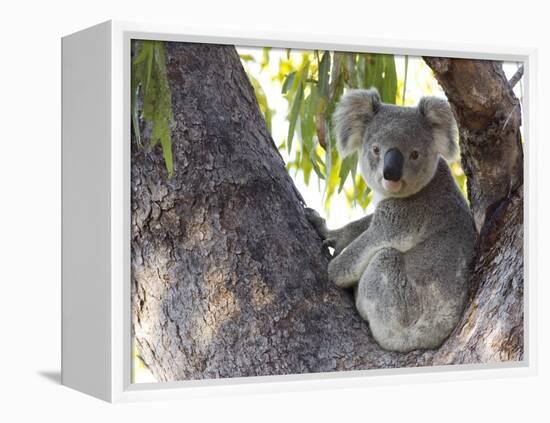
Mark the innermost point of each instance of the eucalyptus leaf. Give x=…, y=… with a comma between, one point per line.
x=150, y=83
x=294, y=114
x=289, y=80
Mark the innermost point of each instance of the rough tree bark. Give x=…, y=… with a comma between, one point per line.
x=489, y=119
x=228, y=277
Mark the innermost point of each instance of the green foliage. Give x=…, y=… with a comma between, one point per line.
x=312, y=89
x=151, y=97
x=261, y=97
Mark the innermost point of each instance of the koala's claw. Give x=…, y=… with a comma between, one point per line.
x=312, y=215
x=320, y=226
x=329, y=242
x=317, y=221
x=333, y=243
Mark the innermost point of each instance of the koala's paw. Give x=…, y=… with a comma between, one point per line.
x=340, y=275
x=329, y=237
x=317, y=221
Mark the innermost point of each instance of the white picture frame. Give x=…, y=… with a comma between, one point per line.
x=96, y=318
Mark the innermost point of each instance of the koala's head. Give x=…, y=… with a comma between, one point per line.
x=398, y=147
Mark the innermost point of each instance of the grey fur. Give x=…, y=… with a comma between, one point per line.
x=409, y=261
x=445, y=132
x=351, y=117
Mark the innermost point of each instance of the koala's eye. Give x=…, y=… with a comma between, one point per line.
x=376, y=149
x=414, y=155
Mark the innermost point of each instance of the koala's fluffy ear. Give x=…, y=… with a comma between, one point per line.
x=445, y=132
x=354, y=111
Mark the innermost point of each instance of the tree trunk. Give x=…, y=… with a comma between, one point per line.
x=489, y=119
x=228, y=277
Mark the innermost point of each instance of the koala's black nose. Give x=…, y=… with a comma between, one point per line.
x=393, y=165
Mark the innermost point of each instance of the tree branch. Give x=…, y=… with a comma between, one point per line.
x=489, y=118
x=516, y=77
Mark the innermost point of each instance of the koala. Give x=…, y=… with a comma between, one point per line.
x=409, y=261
